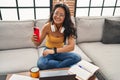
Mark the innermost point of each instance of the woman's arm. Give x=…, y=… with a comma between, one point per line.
x=67, y=48
x=44, y=31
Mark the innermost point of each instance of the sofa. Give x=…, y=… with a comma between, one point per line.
x=98, y=42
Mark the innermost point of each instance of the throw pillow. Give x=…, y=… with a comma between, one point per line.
x=89, y=29
x=111, y=32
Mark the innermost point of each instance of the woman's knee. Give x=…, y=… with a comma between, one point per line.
x=76, y=57
x=41, y=64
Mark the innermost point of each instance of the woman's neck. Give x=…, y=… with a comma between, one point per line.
x=58, y=26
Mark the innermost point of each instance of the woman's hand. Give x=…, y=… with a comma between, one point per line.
x=34, y=40
x=48, y=51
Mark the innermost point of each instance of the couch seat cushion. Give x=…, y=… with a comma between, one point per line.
x=106, y=56
x=78, y=51
x=17, y=60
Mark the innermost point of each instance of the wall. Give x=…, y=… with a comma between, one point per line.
x=70, y=3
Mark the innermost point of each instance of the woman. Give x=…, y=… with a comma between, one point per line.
x=57, y=30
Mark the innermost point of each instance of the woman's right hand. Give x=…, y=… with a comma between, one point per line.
x=34, y=40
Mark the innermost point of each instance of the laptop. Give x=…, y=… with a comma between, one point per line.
x=56, y=75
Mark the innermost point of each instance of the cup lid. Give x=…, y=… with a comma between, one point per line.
x=34, y=69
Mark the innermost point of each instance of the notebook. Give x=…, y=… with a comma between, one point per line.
x=57, y=75
x=83, y=70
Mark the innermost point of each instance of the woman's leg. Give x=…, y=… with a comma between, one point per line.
x=58, y=60
x=67, y=59
x=47, y=62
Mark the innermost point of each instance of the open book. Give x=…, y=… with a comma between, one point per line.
x=83, y=70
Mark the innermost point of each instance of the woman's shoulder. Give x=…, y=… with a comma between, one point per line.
x=47, y=26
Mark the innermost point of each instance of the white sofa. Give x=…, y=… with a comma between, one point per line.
x=18, y=53
x=90, y=40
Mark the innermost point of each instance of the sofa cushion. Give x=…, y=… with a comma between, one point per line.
x=16, y=34
x=89, y=29
x=40, y=51
x=111, y=32
x=106, y=56
x=17, y=60
x=78, y=51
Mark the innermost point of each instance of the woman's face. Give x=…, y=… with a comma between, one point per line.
x=59, y=16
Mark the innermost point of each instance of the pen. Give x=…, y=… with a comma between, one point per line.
x=83, y=68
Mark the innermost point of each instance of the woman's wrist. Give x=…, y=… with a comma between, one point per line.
x=55, y=50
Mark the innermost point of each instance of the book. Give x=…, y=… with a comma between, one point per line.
x=83, y=70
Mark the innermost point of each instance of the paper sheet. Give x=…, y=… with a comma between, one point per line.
x=21, y=77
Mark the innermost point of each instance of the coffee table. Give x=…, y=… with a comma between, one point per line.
x=58, y=69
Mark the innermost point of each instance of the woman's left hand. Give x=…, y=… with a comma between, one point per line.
x=48, y=51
